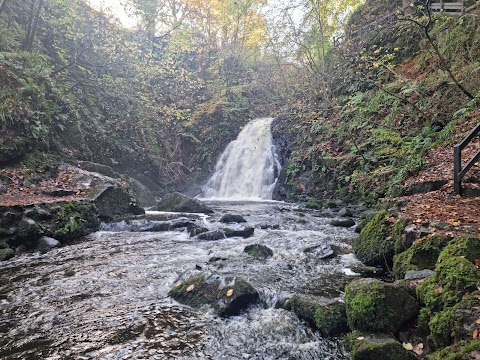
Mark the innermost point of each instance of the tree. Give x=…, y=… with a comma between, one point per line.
x=34, y=17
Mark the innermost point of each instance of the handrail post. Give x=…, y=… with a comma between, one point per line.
x=457, y=168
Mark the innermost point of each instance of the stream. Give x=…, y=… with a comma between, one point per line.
x=105, y=297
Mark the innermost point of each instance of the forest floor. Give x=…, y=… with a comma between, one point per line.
x=461, y=213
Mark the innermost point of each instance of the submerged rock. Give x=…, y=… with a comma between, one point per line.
x=232, y=218
x=6, y=253
x=197, y=231
x=373, y=305
x=258, y=251
x=345, y=222
x=329, y=320
x=344, y=212
x=228, y=296
x=176, y=202
x=211, y=235
x=322, y=252
x=378, y=346
x=245, y=232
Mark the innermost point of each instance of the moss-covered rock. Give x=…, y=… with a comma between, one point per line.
x=329, y=320
x=466, y=246
x=258, y=251
x=373, y=246
x=342, y=222
x=227, y=295
x=377, y=346
x=423, y=254
x=176, y=202
x=460, y=351
x=373, y=305
x=73, y=219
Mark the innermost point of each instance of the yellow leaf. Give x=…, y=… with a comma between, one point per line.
x=475, y=334
x=360, y=338
x=408, y=346
x=190, y=288
x=478, y=321
x=230, y=292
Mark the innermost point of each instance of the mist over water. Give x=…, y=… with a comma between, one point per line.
x=248, y=168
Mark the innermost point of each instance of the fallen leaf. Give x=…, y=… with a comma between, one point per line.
x=475, y=334
x=360, y=338
x=190, y=288
x=230, y=292
x=478, y=321
x=438, y=289
x=408, y=346
x=418, y=349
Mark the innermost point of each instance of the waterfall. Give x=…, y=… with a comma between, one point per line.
x=248, y=168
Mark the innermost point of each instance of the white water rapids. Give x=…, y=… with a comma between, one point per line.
x=248, y=167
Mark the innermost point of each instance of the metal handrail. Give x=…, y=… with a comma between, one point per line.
x=458, y=172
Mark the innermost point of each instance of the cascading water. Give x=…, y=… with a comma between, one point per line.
x=248, y=167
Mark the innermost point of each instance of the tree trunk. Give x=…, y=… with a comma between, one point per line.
x=33, y=24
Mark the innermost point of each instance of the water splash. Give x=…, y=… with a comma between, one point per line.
x=248, y=167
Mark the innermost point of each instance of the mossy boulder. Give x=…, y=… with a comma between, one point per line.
x=176, y=202
x=329, y=320
x=373, y=246
x=228, y=296
x=116, y=202
x=377, y=346
x=373, y=305
x=258, y=251
x=73, y=219
x=423, y=254
x=460, y=351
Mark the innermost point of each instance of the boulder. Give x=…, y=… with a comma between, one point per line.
x=232, y=218
x=245, y=232
x=227, y=296
x=46, y=243
x=344, y=212
x=258, y=251
x=343, y=222
x=378, y=346
x=115, y=202
x=144, y=196
x=423, y=254
x=176, y=202
x=329, y=320
x=98, y=168
x=418, y=275
x=6, y=253
x=211, y=235
x=197, y=231
x=373, y=305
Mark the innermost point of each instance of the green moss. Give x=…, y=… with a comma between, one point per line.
x=459, y=351
x=74, y=219
x=441, y=325
x=329, y=320
x=372, y=246
x=365, y=305
x=313, y=204
x=467, y=246
x=423, y=254
x=397, y=234
x=376, y=346
x=6, y=254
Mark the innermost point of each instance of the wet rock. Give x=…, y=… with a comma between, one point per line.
x=28, y=229
x=258, y=251
x=6, y=253
x=98, y=168
x=3, y=189
x=344, y=212
x=269, y=226
x=216, y=258
x=329, y=320
x=37, y=213
x=346, y=222
x=72, y=219
x=314, y=204
x=378, y=346
x=211, y=235
x=323, y=251
x=176, y=202
x=368, y=271
x=197, y=231
x=115, y=202
x=181, y=223
x=440, y=225
x=143, y=195
x=424, y=187
x=373, y=305
x=245, y=232
x=46, y=243
x=228, y=296
x=418, y=275
x=232, y=218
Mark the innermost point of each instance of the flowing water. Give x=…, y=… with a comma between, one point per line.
x=248, y=167
x=106, y=296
